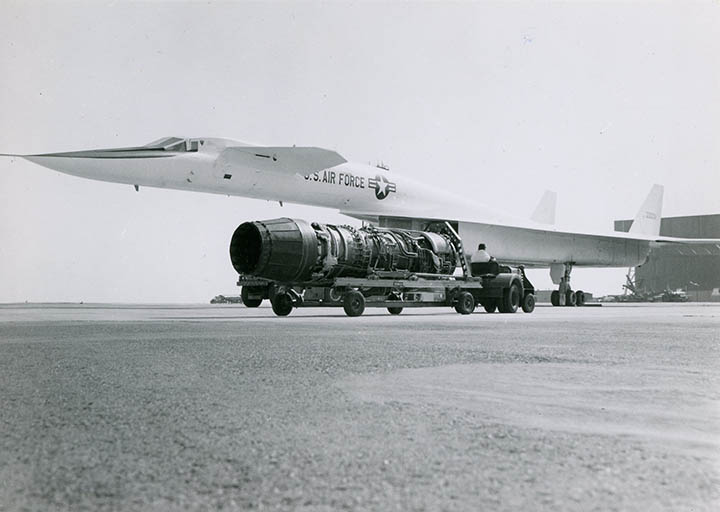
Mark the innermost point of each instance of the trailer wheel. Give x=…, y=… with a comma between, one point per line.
x=580, y=298
x=465, y=303
x=394, y=310
x=490, y=305
x=335, y=295
x=354, y=303
x=511, y=299
x=528, y=303
x=282, y=304
x=555, y=298
x=251, y=303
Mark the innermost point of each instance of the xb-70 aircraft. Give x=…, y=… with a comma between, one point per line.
x=321, y=177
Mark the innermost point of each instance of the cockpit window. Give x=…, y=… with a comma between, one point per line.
x=176, y=144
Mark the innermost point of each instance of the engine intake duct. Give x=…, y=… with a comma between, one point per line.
x=291, y=250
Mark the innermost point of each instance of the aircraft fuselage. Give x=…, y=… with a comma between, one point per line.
x=359, y=190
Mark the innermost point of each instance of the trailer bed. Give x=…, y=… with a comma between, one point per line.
x=506, y=291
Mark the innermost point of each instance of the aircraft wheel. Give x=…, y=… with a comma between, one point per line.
x=511, y=299
x=528, y=303
x=580, y=298
x=282, y=304
x=570, y=298
x=465, y=303
x=490, y=306
x=354, y=303
x=555, y=298
x=251, y=303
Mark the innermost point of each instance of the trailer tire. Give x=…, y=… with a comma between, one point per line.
x=528, y=303
x=394, y=310
x=580, y=298
x=465, y=303
x=490, y=305
x=555, y=298
x=282, y=304
x=354, y=303
x=251, y=303
x=511, y=299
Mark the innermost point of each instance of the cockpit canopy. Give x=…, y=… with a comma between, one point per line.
x=176, y=144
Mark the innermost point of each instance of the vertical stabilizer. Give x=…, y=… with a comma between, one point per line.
x=647, y=220
x=545, y=210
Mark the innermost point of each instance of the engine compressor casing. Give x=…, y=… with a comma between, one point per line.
x=292, y=250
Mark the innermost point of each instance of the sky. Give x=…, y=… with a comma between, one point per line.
x=495, y=101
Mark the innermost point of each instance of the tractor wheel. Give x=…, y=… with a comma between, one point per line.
x=528, y=303
x=490, y=305
x=511, y=299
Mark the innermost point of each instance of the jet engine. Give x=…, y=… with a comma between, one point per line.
x=292, y=250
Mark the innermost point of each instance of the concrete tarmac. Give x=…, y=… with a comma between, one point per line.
x=126, y=407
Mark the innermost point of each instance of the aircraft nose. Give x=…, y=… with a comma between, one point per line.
x=71, y=161
x=55, y=161
x=64, y=162
x=67, y=163
x=119, y=165
x=102, y=154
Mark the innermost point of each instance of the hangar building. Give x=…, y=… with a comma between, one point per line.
x=695, y=269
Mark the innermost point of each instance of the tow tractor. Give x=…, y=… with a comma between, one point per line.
x=295, y=265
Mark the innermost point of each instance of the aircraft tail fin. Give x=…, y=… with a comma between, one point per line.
x=545, y=210
x=647, y=220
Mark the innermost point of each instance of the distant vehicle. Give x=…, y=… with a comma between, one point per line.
x=222, y=299
x=672, y=296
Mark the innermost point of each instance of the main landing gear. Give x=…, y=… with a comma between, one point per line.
x=564, y=295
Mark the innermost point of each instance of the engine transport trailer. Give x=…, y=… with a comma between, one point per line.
x=296, y=264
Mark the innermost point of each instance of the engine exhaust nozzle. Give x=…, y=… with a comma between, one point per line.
x=279, y=249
